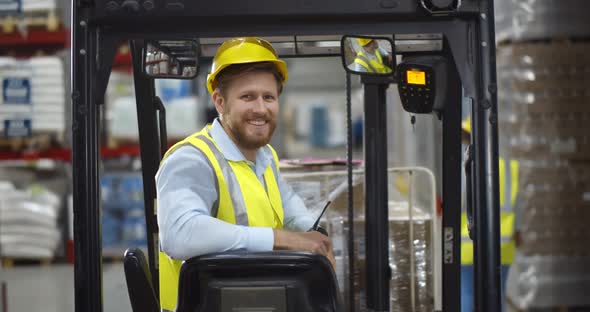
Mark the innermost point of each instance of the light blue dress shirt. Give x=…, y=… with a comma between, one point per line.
x=186, y=192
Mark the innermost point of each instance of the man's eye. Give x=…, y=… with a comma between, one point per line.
x=269, y=97
x=246, y=97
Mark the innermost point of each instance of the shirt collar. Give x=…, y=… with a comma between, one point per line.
x=230, y=150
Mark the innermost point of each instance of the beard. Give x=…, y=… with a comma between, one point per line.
x=250, y=136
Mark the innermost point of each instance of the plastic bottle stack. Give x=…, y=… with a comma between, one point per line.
x=123, y=217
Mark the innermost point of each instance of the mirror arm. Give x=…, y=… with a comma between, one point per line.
x=377, y=80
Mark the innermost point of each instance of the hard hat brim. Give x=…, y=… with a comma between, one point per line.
x=281, y=67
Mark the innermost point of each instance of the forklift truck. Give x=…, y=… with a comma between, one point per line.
x=449, y=42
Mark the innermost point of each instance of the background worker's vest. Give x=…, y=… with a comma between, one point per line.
x=508, y=193
x=242, y=199
x=372, y=66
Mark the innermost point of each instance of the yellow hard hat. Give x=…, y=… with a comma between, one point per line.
x=242, y=51
x=466, y=124
x=364, y=41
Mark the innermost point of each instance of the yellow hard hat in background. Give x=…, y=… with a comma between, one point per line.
x=364, y=41
x=466, y=124
x=242, y=51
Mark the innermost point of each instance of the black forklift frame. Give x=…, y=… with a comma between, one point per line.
x=98, y=26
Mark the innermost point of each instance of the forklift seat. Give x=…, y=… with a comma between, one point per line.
x=139, y=282
x=279, y=281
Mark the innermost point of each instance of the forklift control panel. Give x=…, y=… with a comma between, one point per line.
x=422, y=84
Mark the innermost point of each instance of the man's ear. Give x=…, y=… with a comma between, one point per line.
x=218, y=101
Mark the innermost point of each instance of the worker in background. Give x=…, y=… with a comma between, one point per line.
x=508, y=175
x=220, y=189
x=370, y=58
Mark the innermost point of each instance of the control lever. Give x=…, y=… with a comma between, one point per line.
x=333, y=195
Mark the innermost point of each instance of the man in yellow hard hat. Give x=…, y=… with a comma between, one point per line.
x=508, y=175
x=220, y=189
x=371, y=58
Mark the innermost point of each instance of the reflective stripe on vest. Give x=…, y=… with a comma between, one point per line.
x=233, y=187
x=508, y=183
x=242, y=199
x=508, y=193
x=506, y=240
x=370, y=65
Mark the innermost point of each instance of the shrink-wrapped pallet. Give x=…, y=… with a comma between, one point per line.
x=544, y=115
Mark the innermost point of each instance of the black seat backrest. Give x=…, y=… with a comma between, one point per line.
x=283, y=281
x=139, y=282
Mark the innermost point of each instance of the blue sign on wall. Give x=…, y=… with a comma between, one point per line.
x=17, y=128
x=9, y=7
x=16, y=90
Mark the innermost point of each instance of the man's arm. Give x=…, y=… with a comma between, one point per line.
x=298, y=219
x=186, y=192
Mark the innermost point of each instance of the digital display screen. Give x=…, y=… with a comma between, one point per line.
x=416, y=77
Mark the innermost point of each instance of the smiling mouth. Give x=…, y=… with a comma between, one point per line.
x=257, y=122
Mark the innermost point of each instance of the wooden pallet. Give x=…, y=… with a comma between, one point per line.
x=38, y=141
x=9, y=262
x=48, y=20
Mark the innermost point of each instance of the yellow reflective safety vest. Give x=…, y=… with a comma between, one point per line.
x=370, y=65
x=242, y=199
x=508, y=192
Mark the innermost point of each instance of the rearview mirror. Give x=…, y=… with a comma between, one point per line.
x=171, y=59
x=367, y=55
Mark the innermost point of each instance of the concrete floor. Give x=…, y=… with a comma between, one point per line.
x=51, y=288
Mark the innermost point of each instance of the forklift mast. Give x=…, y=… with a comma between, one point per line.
x=460, y=31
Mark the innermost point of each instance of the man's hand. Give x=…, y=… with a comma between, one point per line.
x=313, y=241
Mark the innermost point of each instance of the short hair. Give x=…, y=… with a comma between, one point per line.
x=228, y=74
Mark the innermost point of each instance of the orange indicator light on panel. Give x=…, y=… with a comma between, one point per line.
x=416, y=77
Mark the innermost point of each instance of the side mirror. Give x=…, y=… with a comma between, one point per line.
x=372, y=56
x=171, y=59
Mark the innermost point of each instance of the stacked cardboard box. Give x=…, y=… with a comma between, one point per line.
x=544, y=112
x=519, y=20
x=412, y=281
x=545, y=122
x=411, y=285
